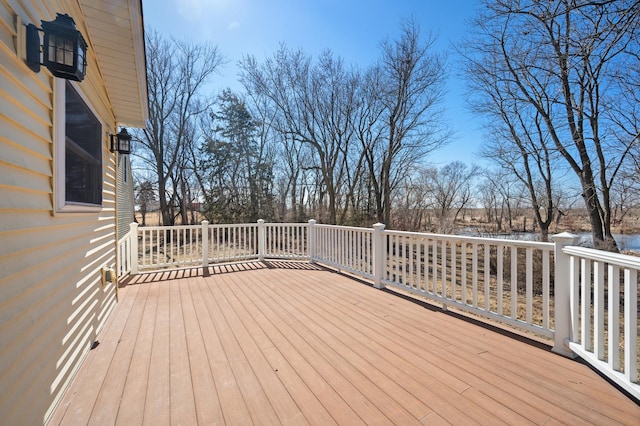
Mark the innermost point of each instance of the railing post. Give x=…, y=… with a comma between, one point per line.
x=311, y=240
x=133, y=243
x=262, y=236
x=562, y=292
x=205, y=243
x=378, y=255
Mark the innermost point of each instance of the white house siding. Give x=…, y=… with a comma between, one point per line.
x=52, y=302
x=125, y=195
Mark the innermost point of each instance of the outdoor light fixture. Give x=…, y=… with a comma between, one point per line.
x=121, y=142
x=64, y=51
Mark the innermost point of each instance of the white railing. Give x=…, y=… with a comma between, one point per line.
x=346, y=248
x=169, y=246
x=231, y=243
x=194, y=245
x=604, y=313
x=285, y=240
x=123, y=255
x=509, y=281
x=545, y=288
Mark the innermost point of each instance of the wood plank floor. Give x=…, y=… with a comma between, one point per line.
x=293, y=343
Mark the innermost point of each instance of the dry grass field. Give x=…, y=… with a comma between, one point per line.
x=574, y=220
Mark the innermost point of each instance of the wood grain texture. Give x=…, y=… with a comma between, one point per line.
x=293, y=343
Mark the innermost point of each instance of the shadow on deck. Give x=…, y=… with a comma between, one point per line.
x=296, y=343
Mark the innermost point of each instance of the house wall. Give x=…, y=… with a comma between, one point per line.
x=125, y=196
x=52, y=302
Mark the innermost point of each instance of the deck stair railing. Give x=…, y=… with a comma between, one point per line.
x=585, y=300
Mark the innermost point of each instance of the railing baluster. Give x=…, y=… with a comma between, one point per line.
x=546, y=278
x=575, y=297
x=585, y=303
x=598, y=310
x=514, y=282
x=340, y=237
x=487, y=277
x=219, y=247
x=500, y=276
x=434, y=266
x=184, y=247
x=454, y=270
x=354, y=252
x=463, y=273
x=345, y=247
x=158, y=245
x=443, y=274
x=614, y=317
x=396, y=253
x=144, y=248
x=420, y=264
x=474, y=284
x=529, y=272
x=410, y=257
x=403, y=260
x=631, y=325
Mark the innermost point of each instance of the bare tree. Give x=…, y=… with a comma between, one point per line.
x=410, y=81
x=176, y=73
x=413, y=201
x=519, y=141
x=451, y=191
x=315, y=103
x=563, y=59
x=502, y=198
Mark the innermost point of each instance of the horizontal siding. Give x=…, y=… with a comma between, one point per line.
x=20, y=157
x=17, y=199
x=125, y=197
x=32, y=146
x=7, y=27
x=52, y=302
x=22, y=178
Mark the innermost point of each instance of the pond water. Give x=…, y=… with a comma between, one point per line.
x=625, y=241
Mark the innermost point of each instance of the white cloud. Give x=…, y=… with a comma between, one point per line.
x=233, y=25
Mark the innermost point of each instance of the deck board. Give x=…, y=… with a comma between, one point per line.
x=230, y=398
x=107, y=403
x=182, y=398
x=131, y=408
x=293, y=343
x=206, y=398
x=157, y=407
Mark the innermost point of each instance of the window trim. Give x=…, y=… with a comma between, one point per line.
x=59, y=150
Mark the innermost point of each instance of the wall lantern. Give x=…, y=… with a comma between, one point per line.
x=121, y=142
x=64, y=51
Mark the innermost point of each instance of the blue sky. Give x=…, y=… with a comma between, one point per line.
x=352, y=29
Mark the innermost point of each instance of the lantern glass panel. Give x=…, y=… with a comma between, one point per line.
x=125, y=145
x=80, y=64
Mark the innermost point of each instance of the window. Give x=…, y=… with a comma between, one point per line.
x=79, y=153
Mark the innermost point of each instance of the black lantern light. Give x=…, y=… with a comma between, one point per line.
x=64, y=50
x=121, y=142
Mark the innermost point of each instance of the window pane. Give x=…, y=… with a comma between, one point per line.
x=83, y=168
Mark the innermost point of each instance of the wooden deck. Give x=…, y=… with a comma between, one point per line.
x=293, y=343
